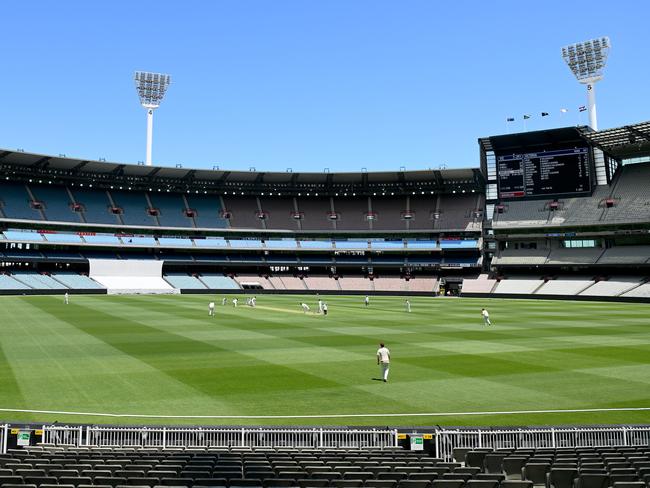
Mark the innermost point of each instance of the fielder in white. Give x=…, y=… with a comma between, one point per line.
x=224, y=300
x=486, y=317
x=383, y=360
x=66, y=298
x=367, y=300
x=211, y=309
x=305, y=307
x=408, y=306
x=320, y=306
x=234, y=302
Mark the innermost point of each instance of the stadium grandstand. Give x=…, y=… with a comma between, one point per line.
x=217, y=230
x=252, y=297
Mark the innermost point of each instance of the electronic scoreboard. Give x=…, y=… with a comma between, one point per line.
x=544, y=173
x=541, y=164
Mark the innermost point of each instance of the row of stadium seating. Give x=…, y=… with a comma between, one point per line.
x=615, y=286
x=42, y=202
x=626, y=200
x=600, y=256
x=252, y=259
x=26, y=280
x=311, y=468
x=17, y=235
x=598, y=467
x=352, y=283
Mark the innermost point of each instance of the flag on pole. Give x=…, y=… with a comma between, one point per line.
x=564, y=110
x=582, y=108
x=526, y=117
x=510, y=119
x=544, y=114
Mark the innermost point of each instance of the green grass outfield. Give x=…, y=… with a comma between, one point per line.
x=163, y=355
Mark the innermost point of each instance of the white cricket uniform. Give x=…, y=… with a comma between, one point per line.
x=253, y=301
x=324, y=308
x=211, y=308
x=486, y=317
x=234, y=302
x=408, y=306
x=305, y=307
x=66, y=298
x=383, y=358
x=320, y=306
x=367, y=301
x=224, y=300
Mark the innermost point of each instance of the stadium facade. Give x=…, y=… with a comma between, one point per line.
x=531, y=220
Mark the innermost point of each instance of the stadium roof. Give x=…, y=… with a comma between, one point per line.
x=629, y=141
x=64, y=168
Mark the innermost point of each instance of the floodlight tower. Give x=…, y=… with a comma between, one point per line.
x=587, y=61
x=151, y=89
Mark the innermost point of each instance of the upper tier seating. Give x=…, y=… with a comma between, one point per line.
x=629, y=194
x=388, y=213
x=574, y=256
x=153, y=209
x=15, y=202
x=458, y=212
x=352, y=213
x=208, y=210
x=171, y=209
x=243, y=212
x=279, y=213
x=56, y=203
x=134, y=206
x=521, y=256
x=96, y=206
x=626, y=255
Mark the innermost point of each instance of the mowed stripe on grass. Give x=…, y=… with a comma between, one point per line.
x=163, y=355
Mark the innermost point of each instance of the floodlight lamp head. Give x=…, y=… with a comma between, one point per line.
x=587, y=59
x=151, y=88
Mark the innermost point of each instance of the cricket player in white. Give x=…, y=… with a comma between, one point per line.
x=324, y=308
x=486, y=317
x=305, y=307
x=383, y=360
x=66, y=298
x=320, y=306
x=408, y=306
x=234, y=302
x=211, y=309
x=224, y=300
x=367, y=300
x=253, y=302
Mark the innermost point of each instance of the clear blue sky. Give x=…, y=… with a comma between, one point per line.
x=308, y=84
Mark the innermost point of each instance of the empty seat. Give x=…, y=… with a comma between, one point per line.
x=516, y=484
x=588, y=480
x=482, y=484
x=493, y=462
x=535, y=472
x=512, y=466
